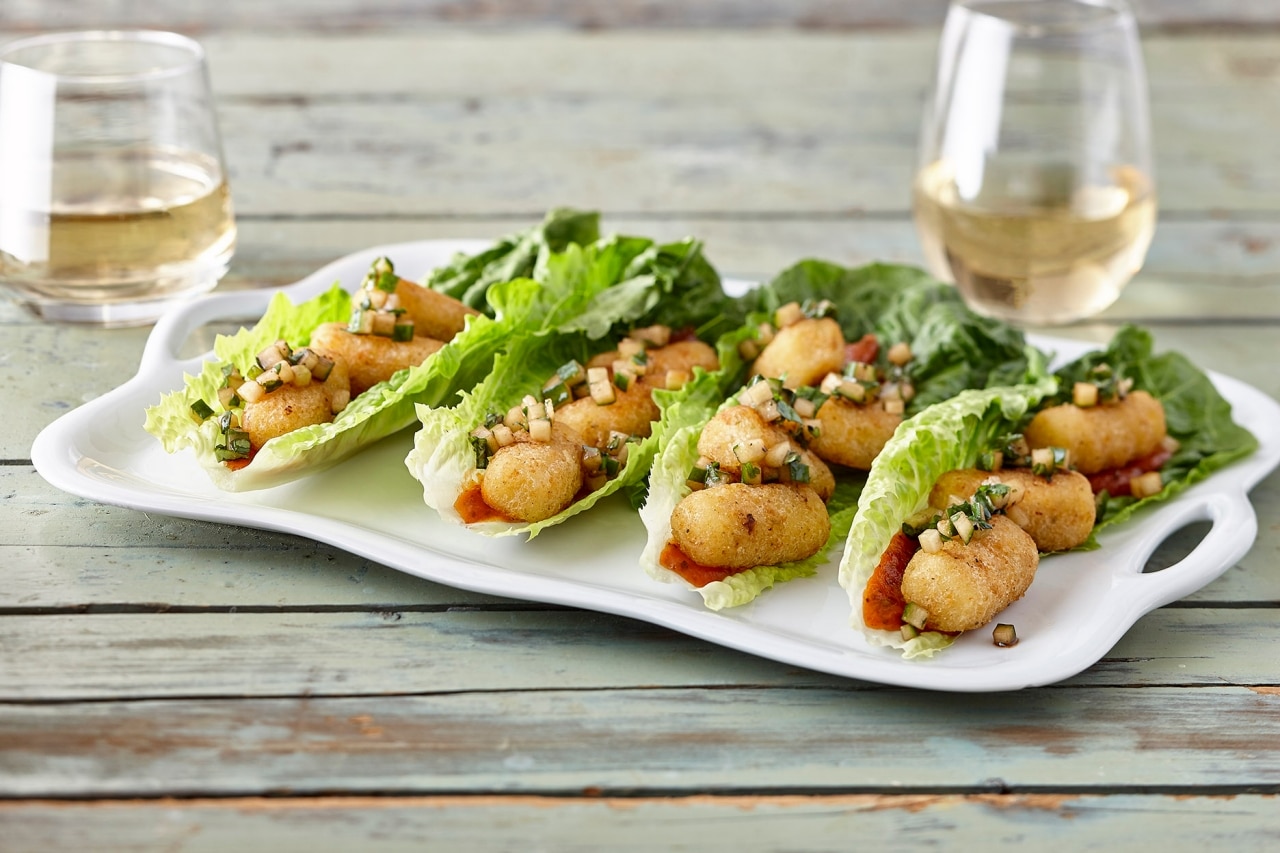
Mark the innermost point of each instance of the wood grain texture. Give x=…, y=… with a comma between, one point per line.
x=1050, y=822
x=380, y=15
x=737, y=122
x=123, y=657
x=674, y=740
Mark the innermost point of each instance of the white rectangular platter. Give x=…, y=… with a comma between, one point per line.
x=1080, y=604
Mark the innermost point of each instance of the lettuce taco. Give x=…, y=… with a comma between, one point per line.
x=567, y=415
x=1059, y=459
x=313, y=383
x=760, y=487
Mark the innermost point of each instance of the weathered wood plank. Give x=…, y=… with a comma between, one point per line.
x=234, y=655
x=875, y=67
x=297, y=16
x=272, y=570
x=749, y=123
x=760, y=152
x=670, y=740
x=1051, y=822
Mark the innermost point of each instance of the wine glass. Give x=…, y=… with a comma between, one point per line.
x=114, y=202
x=1035, y=193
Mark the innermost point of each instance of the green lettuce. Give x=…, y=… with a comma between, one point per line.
x=384, y=409
x=952, y=347
x=953, y=350
x=668, y=485
x=1195, y=414
x=387, y=407
x=467, y=278
x=684, y=414
x=588, y=298
x=943, y=437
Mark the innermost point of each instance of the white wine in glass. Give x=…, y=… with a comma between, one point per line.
x=1035, y=192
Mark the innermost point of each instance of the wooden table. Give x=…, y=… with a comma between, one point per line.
x=178, y=685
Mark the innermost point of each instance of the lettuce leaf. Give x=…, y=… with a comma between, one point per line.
x=588, y=296
x=943, y=437
x=684, y=414
x=171, y=419
x=389, y=406
x=468, y=277
x=1195, y=414
x=386, y=408
x=952, y=347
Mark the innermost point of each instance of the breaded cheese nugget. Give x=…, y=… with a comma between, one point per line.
x=370, y=359
x=738, y=527
x=963, y=586
x=803, y=353
x=741, y=424
x=678, y=356
x=1057, y=513
x=853, y=435
x=289, y=407
x=632, y=412
x=1101, y=437
x=435, y=315
x=531, y=480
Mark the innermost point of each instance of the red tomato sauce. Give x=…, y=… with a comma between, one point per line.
x=864, y=350
x=882, y=601
x=473, y=509
x=1115, y=481
x=675, y=560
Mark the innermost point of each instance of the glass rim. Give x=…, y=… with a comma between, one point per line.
x=1119, y=11
x=192, y=61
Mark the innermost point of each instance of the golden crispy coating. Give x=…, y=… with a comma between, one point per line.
x=632, y=412
x=603, y=359
x=853, y=435
x=737, y=425
x=681, y=355
x=289, y=407
x=1057, y=513
x=737, y=526
x=963, y=586
x=434, y=314
x=803, y=353
x=531, y=480
x=1101, y=437
x=370, y=359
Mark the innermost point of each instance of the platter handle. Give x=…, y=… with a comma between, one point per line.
x=1234, y=528
x=172, y=330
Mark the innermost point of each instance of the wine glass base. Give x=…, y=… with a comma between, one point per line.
x=113, y=314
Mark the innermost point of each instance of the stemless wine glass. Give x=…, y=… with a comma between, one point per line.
x=113, y=196
x=1035, y=192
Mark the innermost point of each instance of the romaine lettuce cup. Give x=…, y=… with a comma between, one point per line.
x=947, y=435
x=385, y=408
x=684, y=416
x=952, y=434
x=953, y=349
x=591, y=296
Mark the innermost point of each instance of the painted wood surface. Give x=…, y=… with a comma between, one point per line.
x=345, y=15
x=177, y=685
x=585, y=824
x=235, y=652
x=682, y=740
